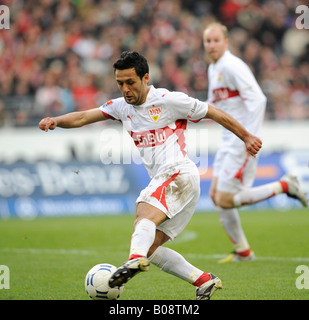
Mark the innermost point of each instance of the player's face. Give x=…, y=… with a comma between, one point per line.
x=133, y=88
x=215, y=43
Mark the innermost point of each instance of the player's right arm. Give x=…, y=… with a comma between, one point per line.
x=72, y=120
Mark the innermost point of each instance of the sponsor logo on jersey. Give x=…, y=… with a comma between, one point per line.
x=154, y=113
x=151, y=138
x=156, y=137
x=107, y=103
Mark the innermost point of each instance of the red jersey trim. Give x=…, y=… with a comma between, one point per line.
x=240, y=172
x=224, y=94
x=159, y=194
x=108, y=116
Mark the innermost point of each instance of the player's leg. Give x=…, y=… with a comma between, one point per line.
x=247, y=196
x=235, y=190
x=287, y=184
x=147, y=219
x=230, y=221
x=146, y=239
x=179, y=199
x=243, y=194
x=172, y=262
x=223, y=187
x=153, y=208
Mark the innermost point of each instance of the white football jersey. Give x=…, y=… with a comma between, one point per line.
x=158, y=127
x=233, y=88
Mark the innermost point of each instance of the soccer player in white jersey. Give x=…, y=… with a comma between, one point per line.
x=157, y=119
x=233, y=88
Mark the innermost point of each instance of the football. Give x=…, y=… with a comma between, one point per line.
x=96, y=283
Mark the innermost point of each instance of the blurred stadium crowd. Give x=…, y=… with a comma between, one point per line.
x=57, y=55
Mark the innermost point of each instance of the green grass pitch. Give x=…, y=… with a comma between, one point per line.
x=48, y=258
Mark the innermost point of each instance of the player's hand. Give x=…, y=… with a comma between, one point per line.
x=47, y=124
x=253, y=145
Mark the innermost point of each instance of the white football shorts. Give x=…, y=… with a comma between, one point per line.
x=234, y=171
x=176, y=192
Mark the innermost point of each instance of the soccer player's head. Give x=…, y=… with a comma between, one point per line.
x=132, y=76
x=132, y=59
x=216, y=41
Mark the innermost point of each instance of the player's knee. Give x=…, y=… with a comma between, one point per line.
x=212, y=195
x=224, y=201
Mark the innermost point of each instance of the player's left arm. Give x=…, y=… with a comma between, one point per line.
x=242, y=79
x=253, y=143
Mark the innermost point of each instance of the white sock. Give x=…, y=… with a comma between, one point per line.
x=174, y=263
x=257, y=194
x=230, y=221
x=143, y=237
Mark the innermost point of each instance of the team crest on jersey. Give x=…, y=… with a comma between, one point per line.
x=155, y=112
x=220, y=76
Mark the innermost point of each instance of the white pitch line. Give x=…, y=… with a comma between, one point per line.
x=48, y=251
x=220, y=256
x=188, y=237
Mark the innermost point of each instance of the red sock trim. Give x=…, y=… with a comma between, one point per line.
x=285, y=186
x=202, y=279
x=135, y=256
x=245, y=253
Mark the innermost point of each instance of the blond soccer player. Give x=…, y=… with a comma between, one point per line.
x=234, y=89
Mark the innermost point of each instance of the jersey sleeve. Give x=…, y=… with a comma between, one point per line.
x=184, y=107
x=242, y=79
x=110, y=110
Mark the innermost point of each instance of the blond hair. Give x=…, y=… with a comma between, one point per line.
x=219, y=25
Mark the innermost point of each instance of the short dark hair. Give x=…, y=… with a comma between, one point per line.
x=132, y=59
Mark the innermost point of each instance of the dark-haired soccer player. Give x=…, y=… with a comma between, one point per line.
x=157, y=119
